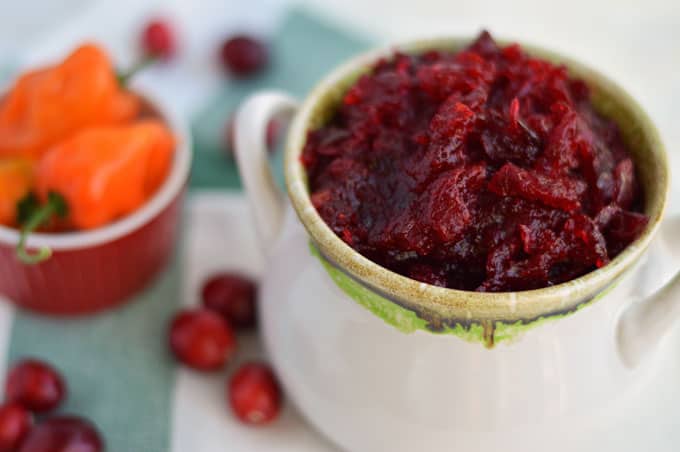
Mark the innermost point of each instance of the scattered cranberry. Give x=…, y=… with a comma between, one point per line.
x=158, y=39
x=15, y=423
x=243, y=55
x=201, y=339
x=35, y=385
x=273, y=131
x=254, y=394
x=233, y=297
x=63, y=434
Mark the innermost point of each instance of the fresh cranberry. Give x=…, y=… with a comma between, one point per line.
x=254, y=394
x=201, y=339
x=273, y=132
x=35, y=385
x=63, y=434
x=232, y=296
x=158, y=39
x=15, y=423
x=244, y=55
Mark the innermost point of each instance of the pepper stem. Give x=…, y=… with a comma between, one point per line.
x=124, y=77
x=56, y=205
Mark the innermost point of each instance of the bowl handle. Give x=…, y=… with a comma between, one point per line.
x=267, y=202
x=643, y=324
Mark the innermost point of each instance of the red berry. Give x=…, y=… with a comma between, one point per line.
x=244, y=55
x=273, y=131
x=158, y=39
x=63, y=434
x=201, y=339
x=35, y=385
x=233, y=297
x=254, y=394
x=15, y=423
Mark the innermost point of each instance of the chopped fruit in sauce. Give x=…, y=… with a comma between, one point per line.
x=484, y=169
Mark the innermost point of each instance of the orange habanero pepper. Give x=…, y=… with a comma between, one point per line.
x=16, y=181
x=48, y=105
x=98, y=176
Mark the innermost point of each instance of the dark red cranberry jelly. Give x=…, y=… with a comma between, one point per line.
x=485, y=169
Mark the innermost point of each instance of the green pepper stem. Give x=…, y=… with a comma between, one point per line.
x=39, y=217
x=124, y=77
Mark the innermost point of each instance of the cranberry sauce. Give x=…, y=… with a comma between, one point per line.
x=485, y=169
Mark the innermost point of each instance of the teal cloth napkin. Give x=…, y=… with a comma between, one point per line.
x=117, y=363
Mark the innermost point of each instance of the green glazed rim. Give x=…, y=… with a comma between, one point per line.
x=487, y=332
x=487, y=315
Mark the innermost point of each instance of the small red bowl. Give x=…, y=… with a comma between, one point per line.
x=99, y=269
